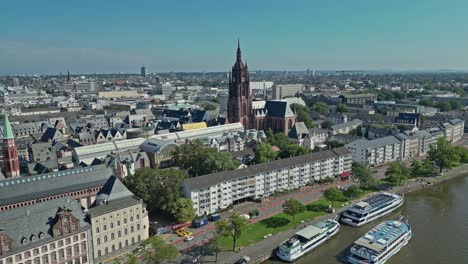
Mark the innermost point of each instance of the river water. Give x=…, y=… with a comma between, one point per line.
x=439, y=218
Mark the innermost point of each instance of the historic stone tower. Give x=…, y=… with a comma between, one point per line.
x=10, y=151
x=240, y=99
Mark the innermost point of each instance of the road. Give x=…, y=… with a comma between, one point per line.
x=267, y=209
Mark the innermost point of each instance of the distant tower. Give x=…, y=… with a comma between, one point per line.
x=10, y=151
x=68, y=77
x=240, y=99
x=143, y=71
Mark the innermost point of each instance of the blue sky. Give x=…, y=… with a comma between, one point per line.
x=200, y=35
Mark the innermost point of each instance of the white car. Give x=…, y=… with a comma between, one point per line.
x=188, y=238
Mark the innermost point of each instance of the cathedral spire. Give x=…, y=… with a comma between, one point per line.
x=239, y=56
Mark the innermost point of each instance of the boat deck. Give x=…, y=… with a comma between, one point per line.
x=382, y=235
x=373, y=202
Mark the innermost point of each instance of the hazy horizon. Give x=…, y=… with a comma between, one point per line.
x=197, y=36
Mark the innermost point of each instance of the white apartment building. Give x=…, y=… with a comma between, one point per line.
x=210, y=193
x=453, y=129
x=345, y=128
x=375, y=152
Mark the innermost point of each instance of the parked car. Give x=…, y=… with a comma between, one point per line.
x=214, y=217
x=200, y=222
x=182, y=232
x=187, y=239
x=245, y=216
x=243, y=260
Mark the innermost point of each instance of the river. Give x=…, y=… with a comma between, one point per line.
x=439, y=218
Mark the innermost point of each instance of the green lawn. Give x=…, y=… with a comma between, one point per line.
x=280, y=222
x=275, y=224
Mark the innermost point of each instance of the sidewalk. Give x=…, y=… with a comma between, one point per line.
x=267, y=209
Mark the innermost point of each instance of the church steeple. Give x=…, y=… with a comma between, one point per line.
x=240, y=98
x=10, y=151
x=239, y=54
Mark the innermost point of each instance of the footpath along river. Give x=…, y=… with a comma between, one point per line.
x=438, y=216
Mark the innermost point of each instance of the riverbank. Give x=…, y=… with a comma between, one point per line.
x=264, y=249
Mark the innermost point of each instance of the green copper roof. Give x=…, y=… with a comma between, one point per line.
x=7, y=131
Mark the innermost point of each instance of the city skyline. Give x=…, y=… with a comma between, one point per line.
x=297, y=35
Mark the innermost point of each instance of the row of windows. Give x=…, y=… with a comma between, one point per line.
x=26, y=203
x=113, y=248
x=119, y=234
x=53, y=256
x=104, y=227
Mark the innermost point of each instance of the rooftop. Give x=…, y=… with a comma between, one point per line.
x=204, y=181
x=382, y=235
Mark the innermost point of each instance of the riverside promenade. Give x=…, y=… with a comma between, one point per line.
x=263, y=249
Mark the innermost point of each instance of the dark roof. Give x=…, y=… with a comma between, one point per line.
x=210, y=179
x=199, y=115
x=298, y=131
x=278, y=109
x=112, y=196
x=51, y=134
x=14, y=190
x=35, y=219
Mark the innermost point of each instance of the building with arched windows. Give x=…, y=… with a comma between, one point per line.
x=50, y=232
x=119, y=221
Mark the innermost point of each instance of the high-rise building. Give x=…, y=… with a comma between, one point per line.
x=143, y=71
x=10, y=151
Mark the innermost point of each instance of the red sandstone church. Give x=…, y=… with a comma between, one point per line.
x=259, y=115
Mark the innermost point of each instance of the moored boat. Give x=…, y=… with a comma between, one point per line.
x=307, y=239
x=380, y=243
x=371, y=208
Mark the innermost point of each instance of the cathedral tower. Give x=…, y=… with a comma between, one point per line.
x=240, y=99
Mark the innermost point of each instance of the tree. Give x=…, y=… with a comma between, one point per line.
x=426, y=102
x=159, y=188
x=326, y=124
x=231, y=227
x=214, y=245
x=352, y=192
x=397, y=172
x=427, y=169
x=363, y=175
x=218, y=161
x=292, y=150
x=190, y=157
x=319, y=107
x=131, y=259
x=157, y=251
x=264, y=153
x=455, y=104
x=342, y=108
x=302, y=116
x=182, y=210
x=444, y=106
x=416, y=168
x=462, y=154
x=333, y=194
x=442, y=153
x=198, y=160
x=334, y=144
x=292, y=207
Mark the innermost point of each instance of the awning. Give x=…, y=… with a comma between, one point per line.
x=345, y=174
